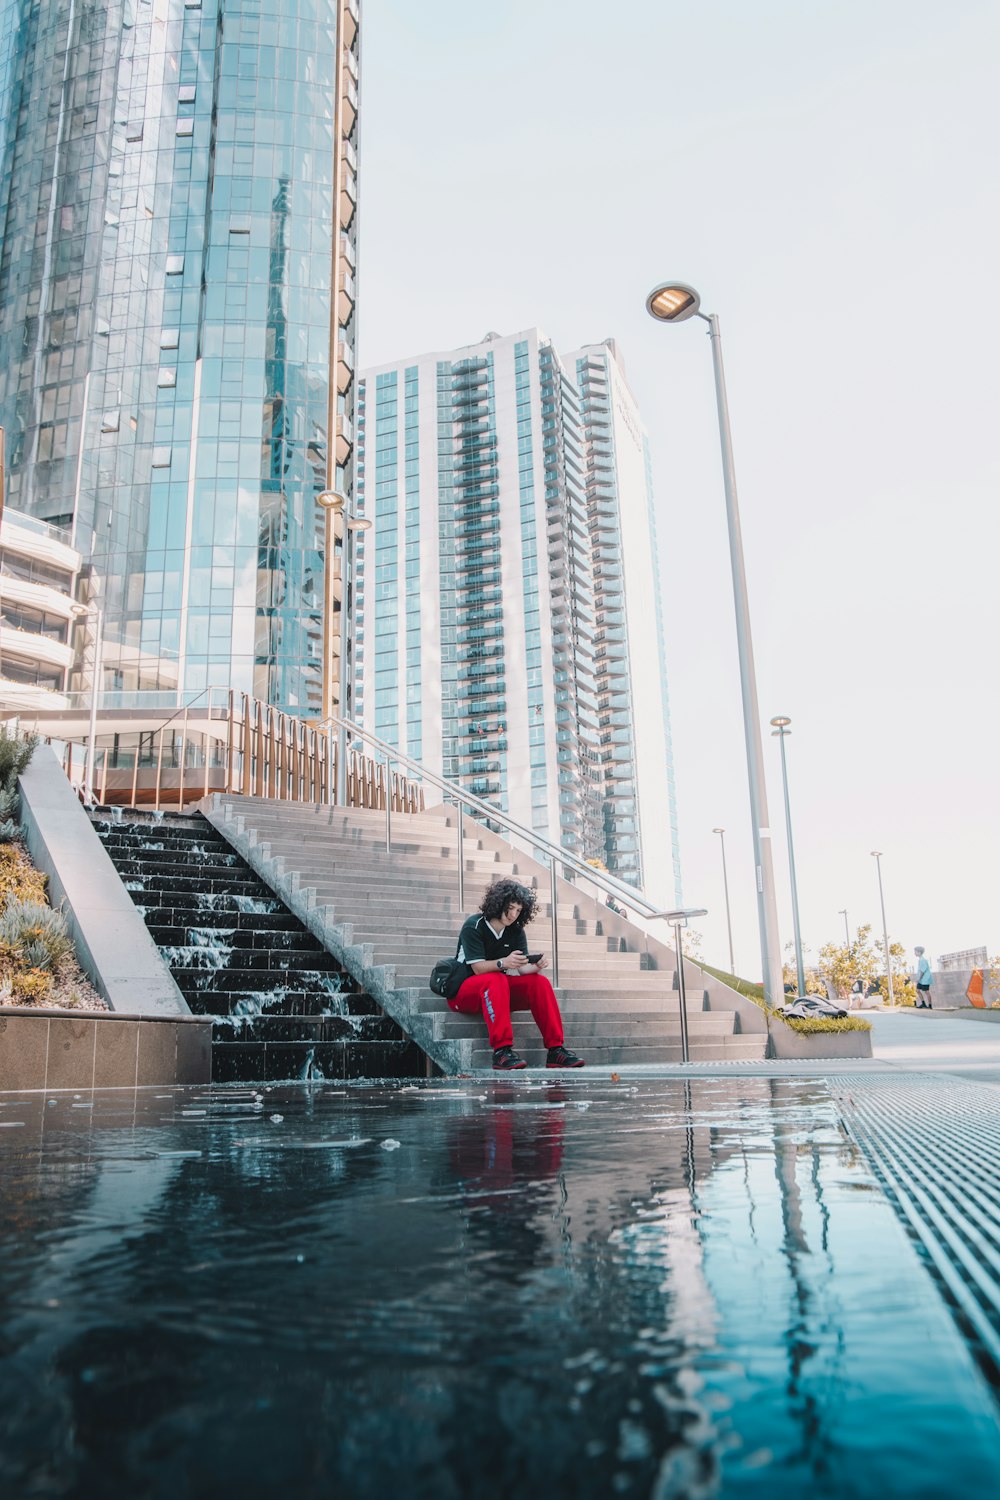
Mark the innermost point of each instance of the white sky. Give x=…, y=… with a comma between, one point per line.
x=825, y=172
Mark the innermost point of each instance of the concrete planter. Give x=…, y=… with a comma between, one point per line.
x=831, y=1044
x=62, y=1049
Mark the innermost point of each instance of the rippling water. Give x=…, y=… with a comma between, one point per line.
x=465, y=1289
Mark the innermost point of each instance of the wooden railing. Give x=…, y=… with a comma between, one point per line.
x=224, y=742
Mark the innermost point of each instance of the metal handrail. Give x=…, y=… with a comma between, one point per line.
x=603, y=879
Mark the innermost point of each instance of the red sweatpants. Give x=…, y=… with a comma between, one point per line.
x=498, y=994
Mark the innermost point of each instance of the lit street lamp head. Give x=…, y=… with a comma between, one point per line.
x=876, y=854
x=331, y=500
x=718, y=830
x=672, y=302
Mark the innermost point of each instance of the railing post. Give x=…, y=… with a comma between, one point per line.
x=388, y=805
x=208, y=741
x=180, y=773
x=246, y=740
x=330, y=782
x=159, y=770
x=681, y=991
x=461, y=859
x=554, y=898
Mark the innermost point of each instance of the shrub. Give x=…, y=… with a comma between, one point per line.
x=813, y=1025
x=15, y=752
x=18, y=876
x=35, y=931
x=30, y=987
x=8, y=831
x=9, y=804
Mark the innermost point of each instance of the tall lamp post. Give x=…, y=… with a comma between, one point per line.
x=725, y=886
x=780, y=726
x=336, y=505
x=674, y=302
x=877, y=857
x=847, y=930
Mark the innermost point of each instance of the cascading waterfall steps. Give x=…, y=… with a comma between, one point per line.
x=282, y=1006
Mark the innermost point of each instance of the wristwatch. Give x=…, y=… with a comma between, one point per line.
x=500, y=967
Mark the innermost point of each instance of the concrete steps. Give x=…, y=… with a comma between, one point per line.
x=388, y=915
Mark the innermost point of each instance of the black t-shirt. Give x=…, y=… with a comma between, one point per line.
x=476, y=941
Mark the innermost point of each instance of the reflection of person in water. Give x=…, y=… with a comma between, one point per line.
x=506, y=1161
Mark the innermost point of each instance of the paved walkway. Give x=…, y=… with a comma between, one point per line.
x=937, y=1042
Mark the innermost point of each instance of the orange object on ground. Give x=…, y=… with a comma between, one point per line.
x=974, y=994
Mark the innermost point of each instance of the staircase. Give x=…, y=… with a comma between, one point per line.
x=388, y=915
x=282, y=1005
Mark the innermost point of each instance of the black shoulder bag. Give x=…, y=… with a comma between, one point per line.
x=447, y=977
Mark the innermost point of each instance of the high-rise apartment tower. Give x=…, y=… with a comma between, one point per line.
x=511, y=524
x=178, y=206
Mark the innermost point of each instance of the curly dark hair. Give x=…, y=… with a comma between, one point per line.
x=504, y=893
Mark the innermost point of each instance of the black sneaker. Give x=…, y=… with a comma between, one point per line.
x=505, y=1058
x=562, y=1057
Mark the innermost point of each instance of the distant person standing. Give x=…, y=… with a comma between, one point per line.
x=923, y=979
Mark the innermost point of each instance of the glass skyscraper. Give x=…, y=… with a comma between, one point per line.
x=508, y=632
x=178, y=199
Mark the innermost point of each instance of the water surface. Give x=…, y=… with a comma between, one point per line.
x=468, y=1289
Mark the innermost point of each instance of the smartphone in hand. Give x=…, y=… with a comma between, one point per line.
x=534, y=958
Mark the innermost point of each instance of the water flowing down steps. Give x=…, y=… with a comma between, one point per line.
x=388, y=915
x=283, y=1007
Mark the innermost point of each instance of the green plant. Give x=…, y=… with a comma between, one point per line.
x=8, y=831
x=30, y=987
x=36, y=932
x=813, y=1025
x=741, y=986
x=15, y=753
x=18, y=876
x=9, y=804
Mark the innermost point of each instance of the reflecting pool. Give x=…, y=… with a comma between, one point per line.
x=469, y=1288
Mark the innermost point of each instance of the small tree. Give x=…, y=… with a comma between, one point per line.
x=992, y=983
x=904, y=991
x=842, y=964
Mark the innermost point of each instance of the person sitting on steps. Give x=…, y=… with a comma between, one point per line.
x=493, y=944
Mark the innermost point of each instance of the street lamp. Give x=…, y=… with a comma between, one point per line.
x=678, y=920
x=334, y=505
x=847, y=931
x=81, y=611
x=877, y=857
x=780, y=724
x=675, y=302
x=725, y=886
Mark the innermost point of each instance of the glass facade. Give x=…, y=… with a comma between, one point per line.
x=179, y=195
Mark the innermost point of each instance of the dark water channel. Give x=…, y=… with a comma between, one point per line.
x=468, y=1289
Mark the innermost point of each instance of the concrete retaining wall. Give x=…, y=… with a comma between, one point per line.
x=788, y=1043
x=59, y=1049
x=150, y=1035
x=112, y=945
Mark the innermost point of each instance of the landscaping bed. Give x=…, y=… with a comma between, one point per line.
x=38, y=966
x=802, y=1036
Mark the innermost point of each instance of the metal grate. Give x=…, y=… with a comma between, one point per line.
x=935, y=1145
